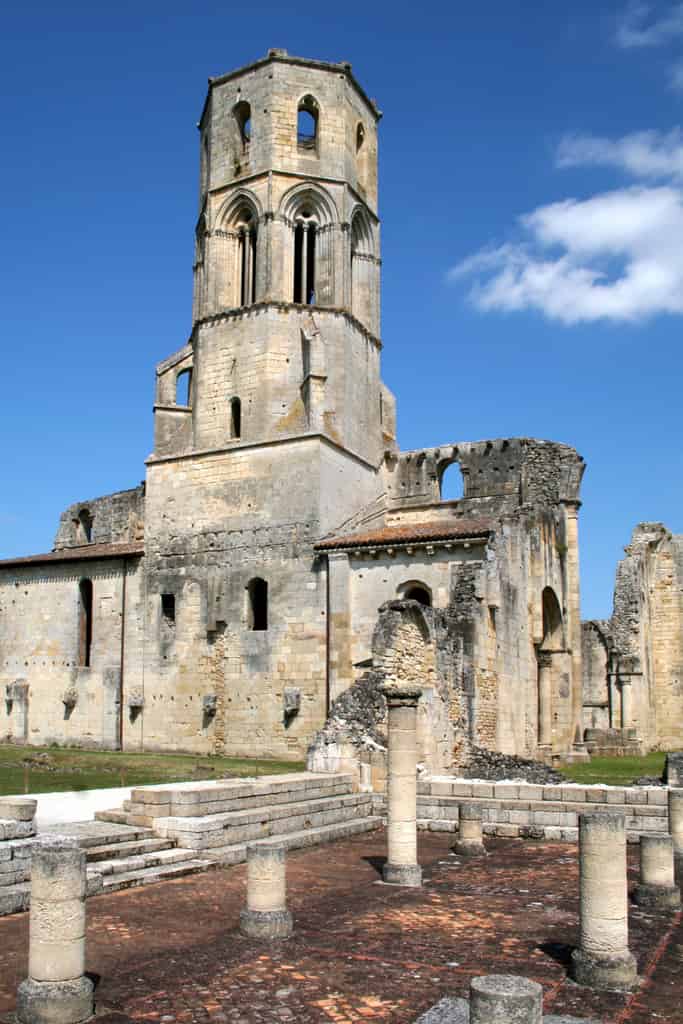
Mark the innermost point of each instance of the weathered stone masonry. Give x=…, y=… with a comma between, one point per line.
x=227, y=603
x=633, y=663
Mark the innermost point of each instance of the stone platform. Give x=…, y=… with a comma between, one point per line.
x=166, y=832
x=361, y=951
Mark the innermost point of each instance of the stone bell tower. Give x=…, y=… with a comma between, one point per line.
x=271, y=424
x=286, y=299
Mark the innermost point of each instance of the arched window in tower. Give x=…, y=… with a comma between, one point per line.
x=307, y=124
x=183, y=388
x=84, y=623
x=360, y=137
x=257, y=605
x=235, y=419
x=304, y=259
x=242, y=114
x=451, y=483
x=246, y=258
x=84, y=526
x=362, y=267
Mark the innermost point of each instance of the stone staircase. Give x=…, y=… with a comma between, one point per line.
x=213, y=821
x=202, y=824
x=165, y=832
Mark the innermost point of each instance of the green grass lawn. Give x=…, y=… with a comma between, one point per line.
x=59, y=770
x=615, y=771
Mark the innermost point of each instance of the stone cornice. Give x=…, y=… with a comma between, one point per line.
x=260, y=307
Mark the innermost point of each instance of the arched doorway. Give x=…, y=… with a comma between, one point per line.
x=547, y=651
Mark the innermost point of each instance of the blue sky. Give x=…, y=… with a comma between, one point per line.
x=531, y=196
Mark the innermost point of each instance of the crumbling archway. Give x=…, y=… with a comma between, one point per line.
x=550, y=648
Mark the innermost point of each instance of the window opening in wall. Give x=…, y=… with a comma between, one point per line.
x=415, y=592
x=360, y=137
x=257, y=606
x=452, y=483
x=246, y=260
x=85, y=623
x=85, y=525
x=168, y=608
x=304, y=262
x=307, y=123
x=183, y=388
x=235, y=419
x=242, y=114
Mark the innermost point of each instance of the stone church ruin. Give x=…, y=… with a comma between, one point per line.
x=284, y=558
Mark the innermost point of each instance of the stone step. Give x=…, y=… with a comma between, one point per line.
x=126, y=865
x=134, y=848
x=158, y=873
x=237, y=852
x=246, y=826
x=113, y=817
x=198, y=799
x=126, y=873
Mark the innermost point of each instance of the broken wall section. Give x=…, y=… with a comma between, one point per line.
x=405, y=652
x=640, y=676
x=117, y=518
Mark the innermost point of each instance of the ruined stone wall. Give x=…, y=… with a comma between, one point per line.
x=646, y=641
x=39, y=649
x=597, y=699
x=115, y=519
x=407, y=649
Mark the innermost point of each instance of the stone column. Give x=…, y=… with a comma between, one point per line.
x=304, y=264
x=674, y=769
x=365, y=777
x=626, y=703
x=504, y=997
x=56, y=991
x=470, y=842
x=656, y=888
x=266, y=915
x=603, y=959
x=401, y=867
x=545, y=698
x=676, y=829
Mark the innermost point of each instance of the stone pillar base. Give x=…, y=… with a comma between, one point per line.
x=55, y=1002
x=657, y=897
x=618, y=973
x=266, y=924
x=469, y=848
x=403, y=874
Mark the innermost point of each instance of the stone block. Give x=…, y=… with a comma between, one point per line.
x=506, y=791
x=462, y=789
x=508, y=831
x=482, y=789
x=616, y=795
x=552, y=792
x=657, y=797
x=595, y=795
x=528, y=792
x=17, y=808
x=573, y=794
x=442, y=788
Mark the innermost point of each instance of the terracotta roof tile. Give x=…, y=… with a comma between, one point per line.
x=87, y=552
x=456, y=529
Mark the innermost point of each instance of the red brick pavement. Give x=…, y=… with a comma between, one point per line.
x=362, y=951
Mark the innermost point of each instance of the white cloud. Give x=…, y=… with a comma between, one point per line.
x=616, y=257
x=652, y=155
x=642, y=26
